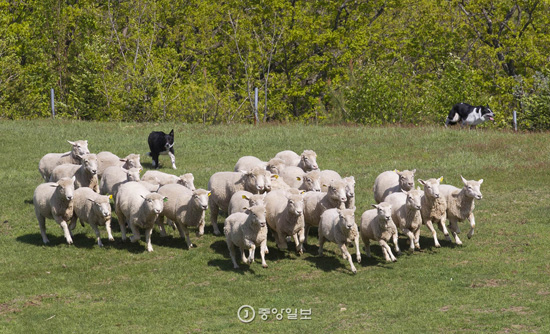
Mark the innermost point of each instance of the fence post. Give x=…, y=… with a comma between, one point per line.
x=53, y=103
x=515, y=121
x=256, y=105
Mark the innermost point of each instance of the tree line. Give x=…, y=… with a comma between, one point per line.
x=365, y=61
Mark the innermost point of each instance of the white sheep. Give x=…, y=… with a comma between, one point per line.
x=223, y=185
x=391, y=182
x=248, y=162
x=161, y=178
x=306, y=161
x=275, y=166
x=244, y=199
x=285, y=216
x=247, y=230
x=377, y=224
x=54, y=200
x=94, y=209
x=339, y=226
x=434, y=208
x=460, y=205
x=328, y=176
x=138, y=208
x=185, y=208
x=114, y=176
x=107, y=159
x=85, y=174
x=51, y=160
x=295, y=177
x=277, y=183
x=315, y=203
x=406, y=216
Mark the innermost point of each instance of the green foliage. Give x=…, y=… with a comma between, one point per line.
x=535, y=104
x=197, y=61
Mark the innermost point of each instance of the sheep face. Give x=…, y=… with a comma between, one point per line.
x=472, y=188
x=406, y=179
x=312, y=181
x=346, y=218
x=383, y=211
x=187, y=180
x=275, y=166
x=350, y=186
x=132, y=174
x=414, y=199
x=257, y=215
x=102, y=207
x=255, y=180
x=309, y=160
x=256, y=199
x=80, y=147
x=131, y=161
x=154, y=203
x=295, y=205
x=89, y=161
x=337, y=191
x=431, y=187
x=200, y=198
x=65, y=186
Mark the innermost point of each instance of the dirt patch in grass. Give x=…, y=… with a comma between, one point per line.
x=17, y=305
x=517, y=310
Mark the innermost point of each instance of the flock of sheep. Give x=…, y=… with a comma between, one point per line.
x=288, y=193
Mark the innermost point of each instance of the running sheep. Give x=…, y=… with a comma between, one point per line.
x=161, y=178
x=244, y=199
x=406, y=216
x=295, y=177
x=339, y=226
x=461, y=205
x=85, y=174
x=434, y=208
x=94, y=209
x=138, y=208
x=185, y=208
x=55, y=200
x=390, y=182
x=247, y=230
x=51, y=160
x=248, y=162
x=285, y=216
x=306, y=161
x=223, y=185
x=115, y=176
x=377, y=224
x=107, y=159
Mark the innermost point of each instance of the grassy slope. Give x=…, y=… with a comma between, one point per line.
x=498, y=281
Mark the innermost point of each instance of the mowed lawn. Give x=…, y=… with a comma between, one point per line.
x=498, y=281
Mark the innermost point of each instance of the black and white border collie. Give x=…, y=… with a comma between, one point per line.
x=469, y=115
x=161, y=143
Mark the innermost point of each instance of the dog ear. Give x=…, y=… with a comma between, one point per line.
x=172, y=133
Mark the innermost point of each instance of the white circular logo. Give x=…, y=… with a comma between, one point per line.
x=246, y=313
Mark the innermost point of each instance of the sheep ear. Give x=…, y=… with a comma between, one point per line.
x=404, y=191
x=245, y=197
x=395, y=171
x=209, y=193
x=440, y=179
x=480, y=181
x=413, y=171
x=422, y=182
x=123, y=159
x=165, y=199
x=275, y=176
x=464, y=180
x=375, y=206
x=71, y=142
x=142, y=196
x=73, y=178
x=298, y=178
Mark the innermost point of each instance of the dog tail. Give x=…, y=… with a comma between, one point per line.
x=452, y=119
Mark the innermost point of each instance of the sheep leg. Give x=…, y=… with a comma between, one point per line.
x=443, y=228
x=299, y=241
x=282, y=240
x=243, y=258
x=65, y=229
x=263, y=251
x=367, y=247
x=306, y=232
x=251, y=253
x=108, y=228
x=96, y=230
x=395, y=239
x=409, y=234
x=417, y=238
x=214, y=210
x=347, y=256
x=148, y=233
x=42, y=224
x=135, y=232
x=455, y=230
x=232, y=254
x=472, y=221
x=434, y=233
x=184, y=234
x=122, y=224
x=357, y=252
x=160, y=223
x=387, y=251
x=321, y=243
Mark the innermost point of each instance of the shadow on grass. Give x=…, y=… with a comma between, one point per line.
x=220, y=247
x=29, y=201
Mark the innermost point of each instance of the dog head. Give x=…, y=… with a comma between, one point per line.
x=169, y=140
x=487, y=114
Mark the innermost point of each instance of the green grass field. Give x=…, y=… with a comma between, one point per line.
x=499, y=281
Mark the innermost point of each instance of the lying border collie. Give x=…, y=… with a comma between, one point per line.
x=469, y=115
x=161, y=143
